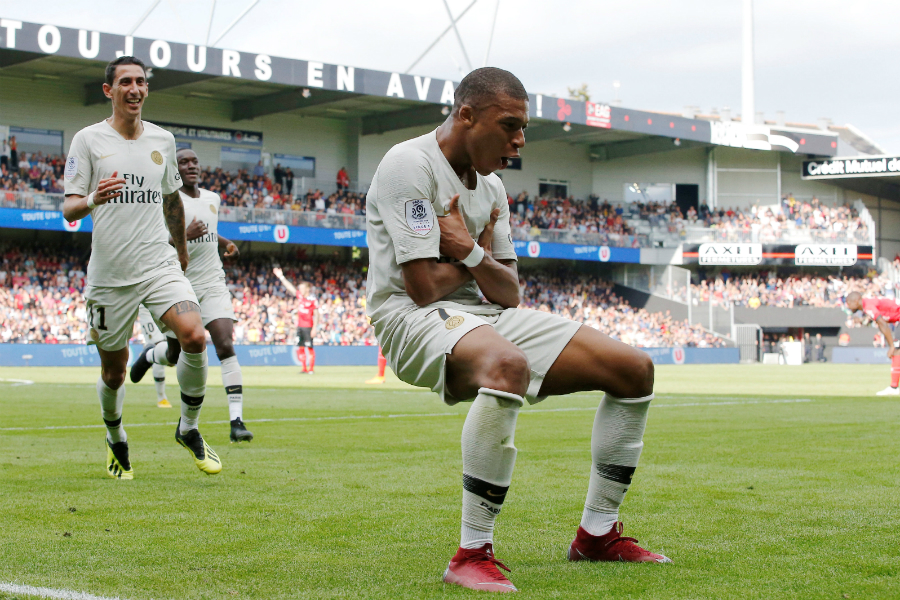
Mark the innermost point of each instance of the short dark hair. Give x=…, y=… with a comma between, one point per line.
x=122, y=60
x=478, y=87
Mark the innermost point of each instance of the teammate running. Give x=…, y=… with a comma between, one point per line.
x=122, y=171
x=307, y=319
x=153, y=336
x=884, y=312
x=431, y=198
x=207, y=278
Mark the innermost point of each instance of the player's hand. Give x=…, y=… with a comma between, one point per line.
x=891, y=352
x=184, y=259
x=456, y=242
x=278, y=272
x=231, y=250
x=487, y=234
x=195, y=229
x=108, y=189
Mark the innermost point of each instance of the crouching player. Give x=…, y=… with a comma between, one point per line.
x=431, y=198
x=885, y=313
x=207, y=277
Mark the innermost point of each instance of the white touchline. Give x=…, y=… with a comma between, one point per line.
x=17, y=382
x=12, y=588
x=401, y=416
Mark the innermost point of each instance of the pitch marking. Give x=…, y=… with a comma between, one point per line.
x=12, y=588
x=17, y=382
x=402, y=416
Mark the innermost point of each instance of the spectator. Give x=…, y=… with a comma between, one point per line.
x=4, y=154
x=343, y=180
x=289, y=182
x=13, y=154
x=820, y=348
x=259, y=170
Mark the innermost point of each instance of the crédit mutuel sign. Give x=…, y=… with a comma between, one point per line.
x=858, y=166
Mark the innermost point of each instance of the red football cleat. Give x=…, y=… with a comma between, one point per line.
x=476, y=569
x=611, y=547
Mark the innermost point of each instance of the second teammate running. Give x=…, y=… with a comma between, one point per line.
x=207, y=277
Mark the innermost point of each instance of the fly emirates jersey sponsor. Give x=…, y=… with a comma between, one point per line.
x=130, y=241
x=411, y=189
x=306, y=308
x=205, y=266
x=881, y=307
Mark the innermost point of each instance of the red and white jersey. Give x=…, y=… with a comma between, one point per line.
x=881, y=307
x=306, y=309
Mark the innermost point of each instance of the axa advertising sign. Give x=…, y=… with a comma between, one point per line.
x=828, y=255
x=719, y=253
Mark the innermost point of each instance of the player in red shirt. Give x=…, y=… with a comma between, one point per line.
x=307, y=319
x=883, y=311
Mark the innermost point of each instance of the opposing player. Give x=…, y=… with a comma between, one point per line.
x=153, y=336
x=885, y=313
x=207, y=277
x=307, y=319
x=122, y=172
x=431, y=198
x=382, y=363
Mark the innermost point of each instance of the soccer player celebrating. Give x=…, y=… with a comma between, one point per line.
x=207, y=278
x=122, y=172
x=885, y=313
x=307, y=319
x=153, y=336
x=438, y=232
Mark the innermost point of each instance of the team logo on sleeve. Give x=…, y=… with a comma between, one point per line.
x=212, y=209
x=419, y=216
x=71, y=167
x=156, y=157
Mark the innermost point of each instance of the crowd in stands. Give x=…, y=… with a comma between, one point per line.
x=41, y=301
x=789, y=291
x=35, y=172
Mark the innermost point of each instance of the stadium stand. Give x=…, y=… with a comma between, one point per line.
x=41, y=302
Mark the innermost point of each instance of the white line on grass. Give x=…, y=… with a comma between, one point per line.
x=405, y=415
x=17, y=382
x=12, y=588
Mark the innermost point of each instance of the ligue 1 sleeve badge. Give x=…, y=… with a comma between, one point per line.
x=420, y=216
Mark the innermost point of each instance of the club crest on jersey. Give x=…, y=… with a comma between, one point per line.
x=156, y=157
x=419, y=216
x=212, y=209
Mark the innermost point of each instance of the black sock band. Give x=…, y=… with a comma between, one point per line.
x=191, y=400
x=617, y=473
x=113, y=423
x=234, y=389
x=492, y=493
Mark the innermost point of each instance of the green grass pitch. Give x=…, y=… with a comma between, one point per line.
x=758, y=481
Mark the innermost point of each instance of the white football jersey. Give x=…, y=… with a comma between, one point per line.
x=130, y=241
x=205, y=266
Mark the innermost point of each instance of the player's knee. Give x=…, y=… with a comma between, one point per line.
x=113, y=378
x=193, y=340
x=508, y=371
x=225, y=349
x=641, y=372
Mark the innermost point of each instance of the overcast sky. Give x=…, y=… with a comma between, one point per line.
x=814, y=58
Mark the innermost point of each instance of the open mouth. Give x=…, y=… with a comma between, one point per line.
x=134, y=102
x=504, y=161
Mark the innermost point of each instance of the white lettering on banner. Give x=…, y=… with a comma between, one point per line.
x=160, y=53
x=129, y=48
x=230, y=62
x=40, y=216
x=314, y=74
x=598, y=115
x=395, y=86
x=422, y=86
x=11, y=27
x=196, y=63
x=88, y=50
x=254, y=228
x=584, y=249
x=826, y=255
x=539, y=106
x=49, y=39
x=346, y=78
x=447, y=93
x=850, y=167
x=344, y=235
x=263, y=70
x=730, y=254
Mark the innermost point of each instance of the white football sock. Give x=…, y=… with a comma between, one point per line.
x=234, y=387
x=158, y=355
x=111, y=402
x=488, y=460
x=616, y=444
x=191, y=370
x=159, y=378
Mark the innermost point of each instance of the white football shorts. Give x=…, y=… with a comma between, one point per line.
x=215, y=303
x=111, y=311
x=417, y=351
x=151, y=330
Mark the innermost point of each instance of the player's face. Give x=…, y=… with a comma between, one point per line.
x=129, y=90
x=303, y=289
x=496, y=133
x=189, y=167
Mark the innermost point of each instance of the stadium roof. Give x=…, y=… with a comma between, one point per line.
x=258, y=84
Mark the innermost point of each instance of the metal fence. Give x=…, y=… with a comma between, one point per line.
x=749, y=339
